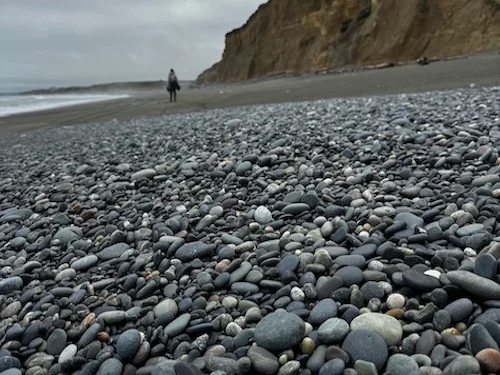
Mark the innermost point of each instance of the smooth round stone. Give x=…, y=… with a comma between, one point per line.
x=367, y=250
x=372, y=289
x=290, y=368
x=333, y=331
x=470, y=229
x=333, y=367
x=114, y=251
x=365, y=368
x=68, y=353
x=11, y=371
x=7, y=362
x=463, y=365
x=323, y=310
x=193, y=250
x=67, y=235
x=486, y=266
x=243, y=167
x=459, y=310
x=395, y=301
x=143, y=174
x=296, y=208
x=420, y=282
x=263, y=360
x=386, y=326
x=402, y=364
x=11, y=309
x=85, y=262
x=478, y=338
x=489, y=359
x=178, y=325
x=167, y=305
x=492, y=314
x=110, y=366
x=57, y=341
x=289, y=263
x=356, y=343
x=350, y=260
x=262, y=215
x=328, y=286
x=243, y=288
x=350, y=275
x=10, y=285
x=479, y=286
x=128, y=343
x=426, y=342
x=279, y=331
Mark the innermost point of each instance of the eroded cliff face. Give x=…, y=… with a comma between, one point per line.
x=302, y=36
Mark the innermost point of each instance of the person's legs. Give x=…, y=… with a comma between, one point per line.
x=175, y=95
x=171, y=94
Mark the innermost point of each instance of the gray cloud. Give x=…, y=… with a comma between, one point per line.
x=63, y=42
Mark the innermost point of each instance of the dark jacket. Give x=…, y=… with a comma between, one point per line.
x=172, y=84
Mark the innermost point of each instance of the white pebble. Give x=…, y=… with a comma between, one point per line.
x=469, y=252
x=233, y=329
x=433, y=273
x=395, y=301
x=297, y=294
x=376, y=265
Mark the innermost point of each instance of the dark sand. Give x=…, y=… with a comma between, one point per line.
x=481, y=70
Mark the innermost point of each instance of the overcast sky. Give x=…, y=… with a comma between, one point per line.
x=65, y=42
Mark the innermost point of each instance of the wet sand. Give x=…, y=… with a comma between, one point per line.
x=480, y=70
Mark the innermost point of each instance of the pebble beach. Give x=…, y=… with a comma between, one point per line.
x=342, y=236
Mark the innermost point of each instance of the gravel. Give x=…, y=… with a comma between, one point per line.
x=280, y=239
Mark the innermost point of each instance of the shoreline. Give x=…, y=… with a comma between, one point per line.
x=481, y=70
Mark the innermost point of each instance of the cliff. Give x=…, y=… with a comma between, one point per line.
x=303, y=36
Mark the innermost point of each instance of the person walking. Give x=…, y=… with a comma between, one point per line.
x=173, y=85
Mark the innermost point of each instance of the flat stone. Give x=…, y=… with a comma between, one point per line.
x=386, y=326
x=470, y=229
x=178, y=325
x=227, y=365
x=296, y=208
x=420, y=282
x=479, y=286
x=143, y=174
x=113, y=251
x=85, y=262
x=193, y=250
x=263, y=360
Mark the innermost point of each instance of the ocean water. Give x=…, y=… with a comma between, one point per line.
x=13, y=104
